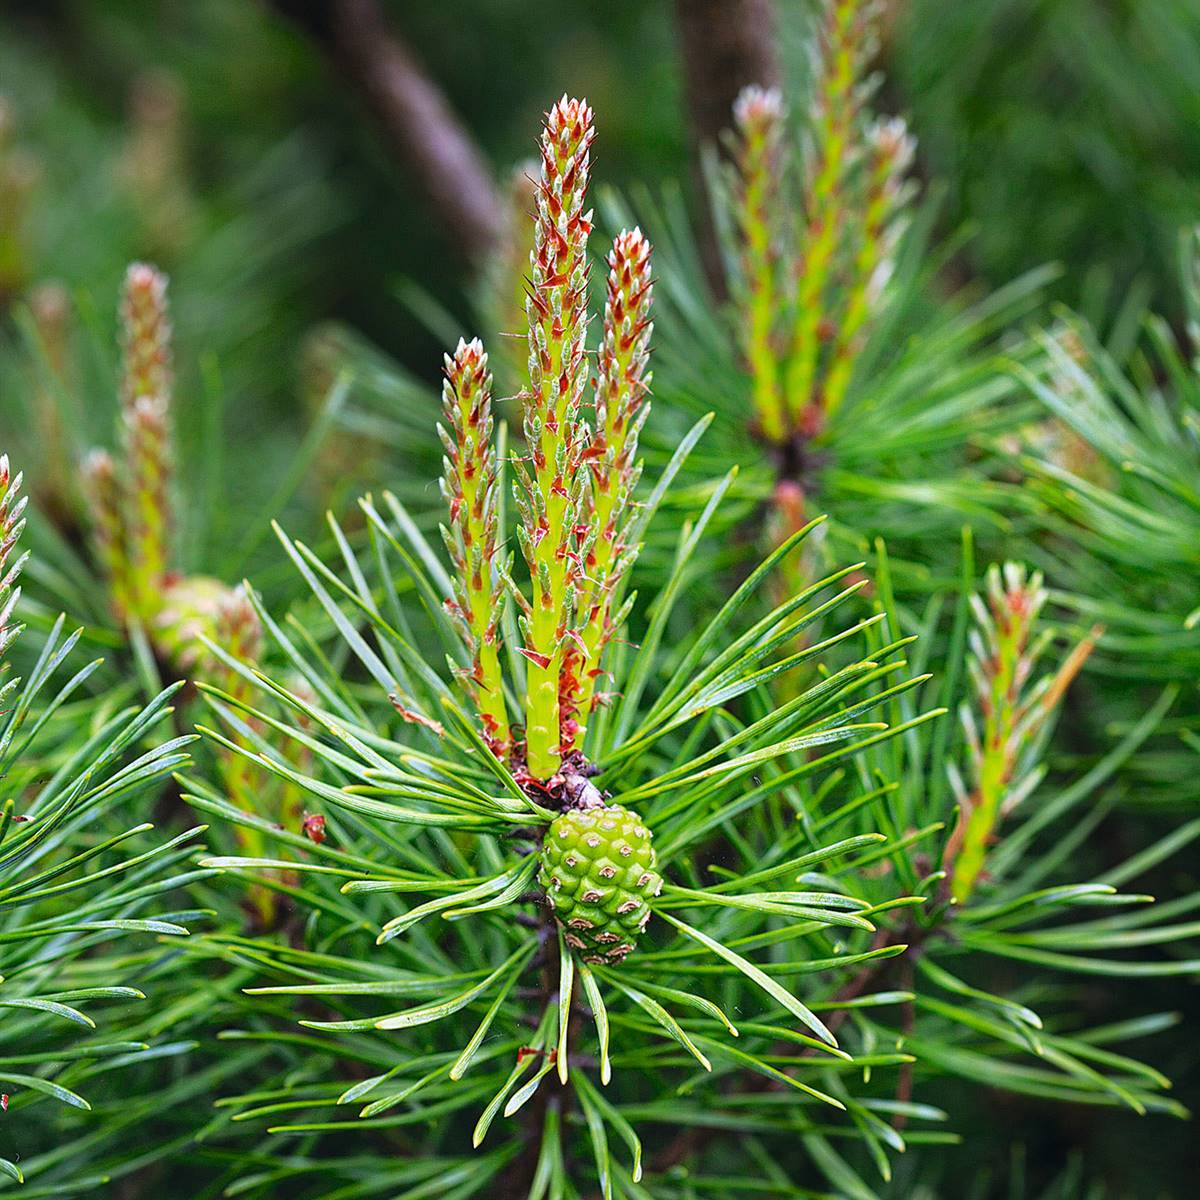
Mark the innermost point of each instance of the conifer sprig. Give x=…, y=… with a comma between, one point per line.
x=145, y=335
x=12, y=523
x=146, y=446
x=64, y=841
x=482, y=939
x=1009, y=712
x=146, y=433
x=186, y=624
x=608, y=548
x=840, y=368
x=561, y=889
x=575, y=488
x=834, y=156
x=888, y=155
x=1128, y=489
x=129, y=498
x=553, y=482
x=1005, y=898
x=759, y=126
x=469, y=485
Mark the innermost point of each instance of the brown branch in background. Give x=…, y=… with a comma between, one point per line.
x=725, y=45
x=427, y=135
x=908, y=1024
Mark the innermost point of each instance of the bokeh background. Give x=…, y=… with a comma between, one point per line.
x=1063, y=131
x=1059, y=131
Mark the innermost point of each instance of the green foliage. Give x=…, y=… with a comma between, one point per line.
x=895, y=898
x=451, y=817
x=909, y=897
x=1137, y=515
x=1065, y=130
x=75, y=874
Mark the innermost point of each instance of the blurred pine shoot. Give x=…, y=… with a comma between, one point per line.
x=1009, y=714
x=814, y=272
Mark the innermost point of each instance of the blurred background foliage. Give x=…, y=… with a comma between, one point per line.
x=1055, y=130
x=1064, y=130
x=1060, y=130
x=252, y=87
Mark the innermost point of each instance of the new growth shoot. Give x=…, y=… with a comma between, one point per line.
x=575, y=482
x=812, y=283
x=1010, y=713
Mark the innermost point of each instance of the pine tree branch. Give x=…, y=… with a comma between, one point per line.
x=427, y=135
x=518, y=1178
x=724, y=45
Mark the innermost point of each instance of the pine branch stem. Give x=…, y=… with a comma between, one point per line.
x=429, y=138
x=518, y=1178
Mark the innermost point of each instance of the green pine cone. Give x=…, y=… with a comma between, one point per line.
x=190, y=607
x=598, y=873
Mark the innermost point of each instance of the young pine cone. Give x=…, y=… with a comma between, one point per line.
x=598, y=873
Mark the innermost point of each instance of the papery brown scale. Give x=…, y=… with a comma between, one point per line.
x=534, y=656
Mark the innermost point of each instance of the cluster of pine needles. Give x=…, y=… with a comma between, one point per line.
x=738, y=777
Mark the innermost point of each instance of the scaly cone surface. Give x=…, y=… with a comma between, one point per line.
x=598, y=869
